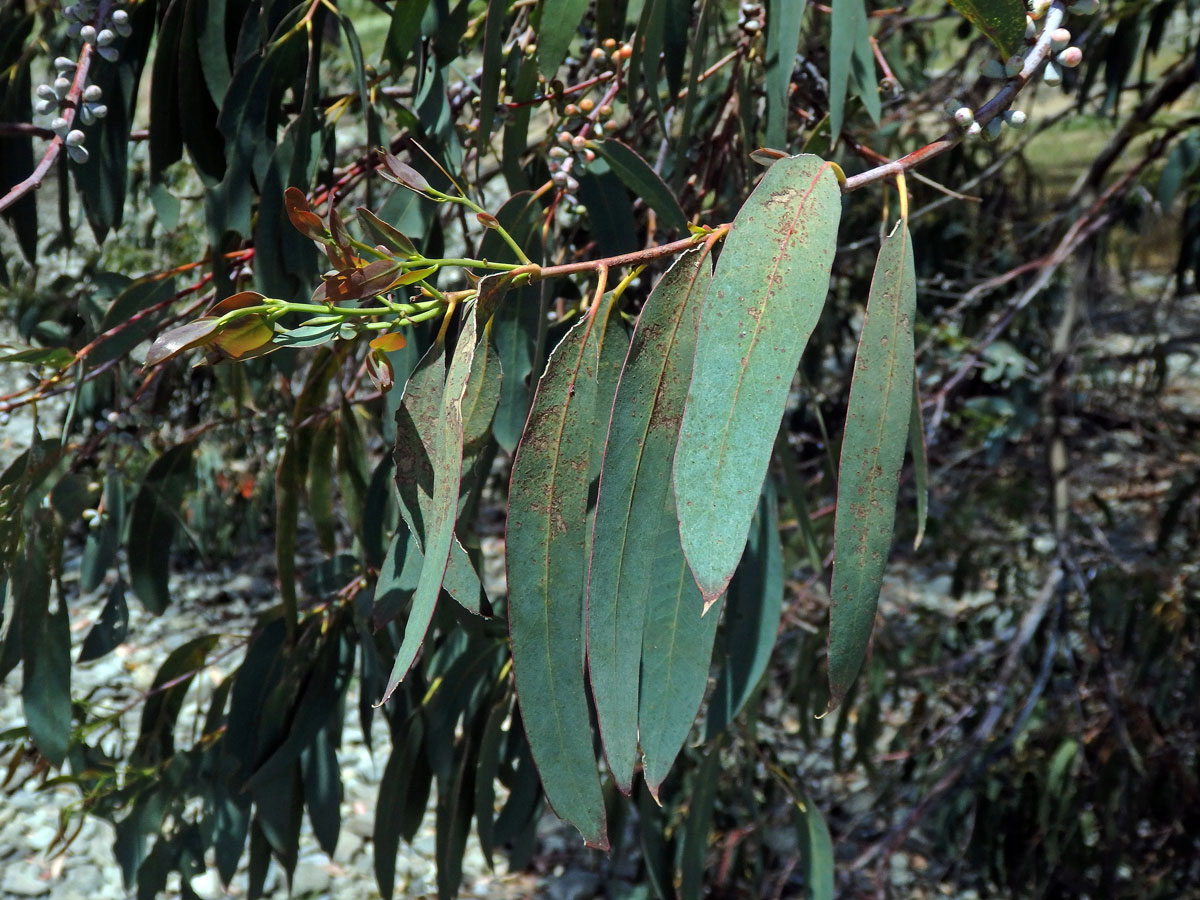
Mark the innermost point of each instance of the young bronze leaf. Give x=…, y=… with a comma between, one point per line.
x=402, y=173
x=635, y=529
x=171, y=343
x=383, y=234
x=546, y=558
x=303, y=219
x=763, y=303
x=877, y=426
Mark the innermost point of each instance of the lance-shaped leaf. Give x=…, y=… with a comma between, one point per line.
x=916, y=449
x=850, y=61
x=676, y=653
x=1003, y=21
x=303, y=219
x=877, y=426
x=560, y=20
x=546, y=557
x=383, y=234
x=442, y=511
x=635, y=525
x=418, y=420
x=640, y=178
x=763, y=303
x=752, y=612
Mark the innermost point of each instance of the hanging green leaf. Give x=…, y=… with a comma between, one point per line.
x=877, y=426
x=637, y=175
x=851, y=62
x=1003, y=21
x=546, y=556
x=45, y=650
x=783, y=37
x=752, y=612
x=818, y=850
x=153, y=524
x=916, y=449
x=636, y=529
x=763, y=303
x=458, y=403
x=559, y=22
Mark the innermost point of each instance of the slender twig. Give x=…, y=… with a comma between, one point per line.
x=69, y=109
x=994, y=107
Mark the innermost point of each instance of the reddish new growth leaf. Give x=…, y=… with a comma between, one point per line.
x=402, y=173
x=307, y=222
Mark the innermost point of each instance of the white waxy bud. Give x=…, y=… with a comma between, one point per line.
x=99, y=110
x=60, y=126
x=74, y=138
x=579, y=142
x=62, y=86
x=1084, y=7
x=92, y=93
x=110, y=54
x=992, y=68
x=1052, y=76
x=105, y=37
x=991, y=130
x=565, y=137
x=559, y=178
x=78, y=154
x=1030, y=29
x=589, y=155
x=45, y=105
x=88, y=34
x=1070, y=58
x=558, y=153
x=45, y=92
x=120, y=17
x=572, y=184
x=964, y=117
x=1059, y=38
x=89, y=514
x=64, y=64
x=1014, y=117
x=124, y=29
x=974, y=130
x=86, y=116
x=1014, y=65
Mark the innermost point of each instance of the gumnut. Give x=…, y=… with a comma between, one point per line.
x=105, y=37
x=74, y=138
x=992, y=68
x=1059, y=38
x=974, y=130
x=88, y=34
x=964, y=117
x=60, y=126
x=1014, y=65
x=1052, y=76
x=64, y=64
x=1014, y=117
x=1070, y=58
x=92, y=93
x=62, y=86
x=44, y=106
x=45, y=92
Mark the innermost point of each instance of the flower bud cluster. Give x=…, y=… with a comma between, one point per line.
x=964, y=118
x=51, y=99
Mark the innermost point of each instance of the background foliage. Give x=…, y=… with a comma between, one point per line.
x=1023, y=723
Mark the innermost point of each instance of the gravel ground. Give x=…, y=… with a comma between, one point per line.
x=29, y=815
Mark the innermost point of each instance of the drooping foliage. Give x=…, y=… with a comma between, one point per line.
x=408, y=295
